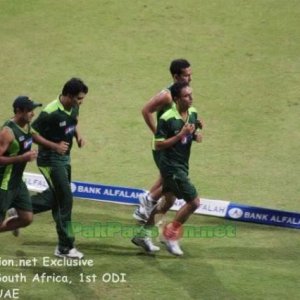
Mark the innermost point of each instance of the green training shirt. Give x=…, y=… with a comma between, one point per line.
x=55, y=124
x=177, y=156
x=11, y=175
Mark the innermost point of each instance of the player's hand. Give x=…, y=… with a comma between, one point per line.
x=80, y=142
x=30, y=155
x=199, y=124
x=198, y=137
x=187, y=129
x=62, y=147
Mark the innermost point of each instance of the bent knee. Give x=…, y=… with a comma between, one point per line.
x=26, y=220
x=196, y=203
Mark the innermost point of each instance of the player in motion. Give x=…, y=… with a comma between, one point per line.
x=181, y=71
x=16, y=137
x=177, y=128
x=58, y=122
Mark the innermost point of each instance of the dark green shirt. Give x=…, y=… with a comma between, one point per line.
x=55, y=124
x=176, y=157
x=11, y=175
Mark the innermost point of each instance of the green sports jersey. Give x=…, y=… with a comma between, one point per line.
x=177, y=156
x=55, y=124
x=11, y=175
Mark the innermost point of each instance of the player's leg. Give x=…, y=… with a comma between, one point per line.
x=19, y=199
x=144, y=236
x=184, y=189
x=155, y=191
x=43, y=201
x=161, y=209
x=150, y=199
x=186, y=210
x=58, y=179
x=40, y=202
x=59, y=199
x=22, y=219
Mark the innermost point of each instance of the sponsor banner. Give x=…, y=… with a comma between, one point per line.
x=216, y=208
x=124, y=195
x=92, y=191
x=127, y=195
x=263, y=215
x=109, y=193
x=35, y=182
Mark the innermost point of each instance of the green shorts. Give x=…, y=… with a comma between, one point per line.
x=156, y=157
x=180, y=185
x=18, y=198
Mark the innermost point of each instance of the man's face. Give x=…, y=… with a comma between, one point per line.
x=26, y=115
x=186, y=99
x=185, y=76
x=77, y=100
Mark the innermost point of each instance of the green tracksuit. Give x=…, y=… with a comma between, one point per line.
x=56, y=124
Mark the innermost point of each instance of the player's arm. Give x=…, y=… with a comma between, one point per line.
x=6, y=138
x=198, y=136
x=154, y=104
x=187, y=129
x=79, y=139
x=61, y=147
x=37, y=128
x=162, y=141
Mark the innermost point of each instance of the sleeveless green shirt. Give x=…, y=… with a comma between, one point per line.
x=11, y=175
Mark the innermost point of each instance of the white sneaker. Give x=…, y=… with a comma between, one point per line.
x=13, y=213
x=146, y=204
x=72, y=253
x=139, y=215
x=145, y=243
x=173, y=247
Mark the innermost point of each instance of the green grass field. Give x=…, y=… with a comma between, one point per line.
x=246, y=74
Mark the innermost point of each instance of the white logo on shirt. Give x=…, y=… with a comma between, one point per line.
x=28, y=143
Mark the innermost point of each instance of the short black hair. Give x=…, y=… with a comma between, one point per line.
x=74, y=86
x=177, y=87
x=177, y=65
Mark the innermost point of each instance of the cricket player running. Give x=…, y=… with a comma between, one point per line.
x=16, y=137
x=58, y=123
x=177, y=128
